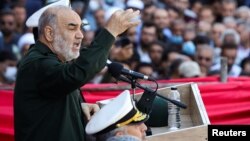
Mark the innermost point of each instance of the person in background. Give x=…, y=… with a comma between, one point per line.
x=148, y=35
x=162, y=23
x=215, y=34
x=228, y=8
x=174, y=14
x=245, y=65
x=176, y=28
x=230, y=22
x=189, y=33
x=148, y=12
x=169, y=56
x=230, y=36
x=20, y=17
x=172, y=71
x=228, y=50
x=131, y=34
x=145, y=68
x=88, y=38
x=204, y=57
x=156, y=50
x=78, y=7
x=197, y=6
x=242, y=13
x=9, y=38
x=125, y=51
x=243, y=49
x=206, y=14
x=189, y=69
x=8, y=68
x=99, y=16
x=134, y=4
x=203, y=28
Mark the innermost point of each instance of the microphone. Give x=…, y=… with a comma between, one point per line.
x=116, y=69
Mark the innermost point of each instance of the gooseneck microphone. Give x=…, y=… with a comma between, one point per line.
x=116, y=69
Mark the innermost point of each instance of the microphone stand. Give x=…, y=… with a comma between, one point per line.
x=133, y=84
x=146, y=101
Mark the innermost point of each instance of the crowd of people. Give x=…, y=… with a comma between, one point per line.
x=62, y=47
x=176, y=38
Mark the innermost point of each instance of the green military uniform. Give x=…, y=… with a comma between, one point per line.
x=46, y=99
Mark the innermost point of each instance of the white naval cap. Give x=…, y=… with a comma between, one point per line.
x=32, y=21
x=117, y=113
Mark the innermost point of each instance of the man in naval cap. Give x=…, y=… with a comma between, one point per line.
x=118, y=120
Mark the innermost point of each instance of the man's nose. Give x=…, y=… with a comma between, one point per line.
x=203, y=62
x=79, y=35
x=144, y=127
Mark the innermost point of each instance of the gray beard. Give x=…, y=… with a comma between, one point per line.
x=63, y=48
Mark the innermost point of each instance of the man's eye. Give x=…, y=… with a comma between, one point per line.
x=72, y=28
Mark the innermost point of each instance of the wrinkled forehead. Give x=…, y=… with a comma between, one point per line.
x=68, y=16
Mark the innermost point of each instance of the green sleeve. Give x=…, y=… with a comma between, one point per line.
x=63, y=78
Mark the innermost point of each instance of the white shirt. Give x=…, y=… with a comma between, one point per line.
x=144, y=56
x=241, y=54
x=234, y=72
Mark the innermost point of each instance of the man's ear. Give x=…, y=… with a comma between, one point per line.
x=49, y=33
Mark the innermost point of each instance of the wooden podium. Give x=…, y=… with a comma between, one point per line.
x=194, y=118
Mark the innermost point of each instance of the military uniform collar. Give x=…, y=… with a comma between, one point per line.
x=44, y=49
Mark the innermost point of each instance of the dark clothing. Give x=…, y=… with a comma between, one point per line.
x=11, y=46
x=46, y=100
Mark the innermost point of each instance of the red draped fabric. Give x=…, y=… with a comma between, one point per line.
x=6, y=115
x=226, y=103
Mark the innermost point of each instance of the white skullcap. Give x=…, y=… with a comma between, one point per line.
x=138, y=4
x=26, y=39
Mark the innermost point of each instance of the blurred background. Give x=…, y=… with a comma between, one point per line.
x=176, y=38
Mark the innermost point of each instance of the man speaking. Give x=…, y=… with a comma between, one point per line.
x=47, y=102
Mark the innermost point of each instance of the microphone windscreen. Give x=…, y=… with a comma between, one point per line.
x=115, y=69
